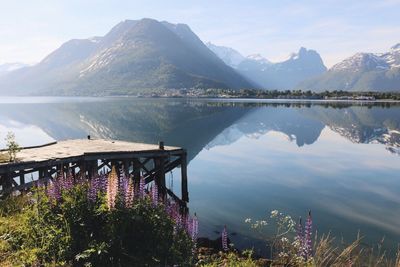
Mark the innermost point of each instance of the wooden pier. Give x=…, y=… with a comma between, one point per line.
x=89, y=156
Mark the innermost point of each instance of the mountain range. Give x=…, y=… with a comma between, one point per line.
x=135, y=55
x=147, y=55
x=285, y=75
x=361, y=72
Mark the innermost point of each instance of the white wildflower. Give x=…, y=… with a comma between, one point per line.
x=274, y=213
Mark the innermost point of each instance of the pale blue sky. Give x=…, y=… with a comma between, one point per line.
x=29, y=30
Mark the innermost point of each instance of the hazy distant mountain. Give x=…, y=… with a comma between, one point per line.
x=7, y=67
x=282, y=75
x=134, y=56
x=230, y=56
x=361, y=72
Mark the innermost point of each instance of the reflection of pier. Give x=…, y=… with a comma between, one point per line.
x=87, y=157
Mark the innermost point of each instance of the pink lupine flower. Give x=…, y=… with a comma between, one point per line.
x=224, y=239
x=112, y=189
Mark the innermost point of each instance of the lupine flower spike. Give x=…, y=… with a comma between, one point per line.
x=141, y=187
x=129, y=193
x=224, y=238
x=112, y=189
x=68, y=181
x=195, y=232
x=300, y=237
x=154, y=194
x=307, y=236
x=53, y=190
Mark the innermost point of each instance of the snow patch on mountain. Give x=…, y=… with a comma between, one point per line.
x=361, y=62
x=259, y=58
x=371, y=61
x=230, y=56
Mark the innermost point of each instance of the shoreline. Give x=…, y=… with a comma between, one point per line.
x=56, y=99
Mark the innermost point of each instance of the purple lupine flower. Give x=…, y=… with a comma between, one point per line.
x=195, y=228
x=189, y=226
x=94, y=188
x=300, y=237
x=224, y=239
x=53, y=190
x=307, y=237
x=60, y=180
x=68, y=181
x=112, y=188
x=103, y=181
x=154, y=194
x=194, y=232
x=141, y=187
x=123, y=182
x=129, y=194
x=175, y=215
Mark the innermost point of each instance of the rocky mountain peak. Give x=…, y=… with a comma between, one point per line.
x=361, y=62
x=395, y=47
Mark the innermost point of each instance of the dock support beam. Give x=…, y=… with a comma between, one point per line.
x=184, y=185
x=159, y=166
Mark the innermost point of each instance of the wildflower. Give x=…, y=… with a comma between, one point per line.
x=141, y=187
x=124, y=184
x=274, y=213
x=112, y=188
x=195, y=228
x=224, y=239
x=300, y=237
x=68, y=181
x=103, y=181
x=94, y=187
x=53, y=190
x=248, y=220
x=307, y=237
x=129, y=194
x=154, y=194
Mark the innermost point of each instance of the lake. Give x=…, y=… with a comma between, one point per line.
x=246, y=158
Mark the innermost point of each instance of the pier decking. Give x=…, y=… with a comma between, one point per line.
x=89, y=156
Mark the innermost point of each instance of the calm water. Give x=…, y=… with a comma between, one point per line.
x=247, y=158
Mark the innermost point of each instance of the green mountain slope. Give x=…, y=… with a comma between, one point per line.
x=135, y=56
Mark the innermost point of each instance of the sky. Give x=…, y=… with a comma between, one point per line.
x=30, y=30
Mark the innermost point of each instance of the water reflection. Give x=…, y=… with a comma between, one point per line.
x=246, y=158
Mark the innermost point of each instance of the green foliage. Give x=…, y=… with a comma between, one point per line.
x=233, y=259
x=38, y=230
x=12, y=146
